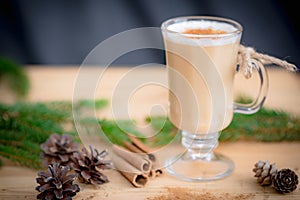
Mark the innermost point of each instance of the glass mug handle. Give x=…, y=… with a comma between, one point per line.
x=263, y=89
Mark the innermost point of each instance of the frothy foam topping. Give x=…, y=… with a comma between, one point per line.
x=196, y=27
x=183, y=26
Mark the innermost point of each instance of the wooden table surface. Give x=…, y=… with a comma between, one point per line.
x=146, y=97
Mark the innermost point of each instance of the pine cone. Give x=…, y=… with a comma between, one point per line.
x=58, y=149
x=56, y=184
x=264, y=172
x=285, y=181
x=89, y=165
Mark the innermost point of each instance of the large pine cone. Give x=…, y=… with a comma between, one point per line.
x=56, y=184
x=89, y=166
x=58, y=149
x=264, y=172
x=285, y=181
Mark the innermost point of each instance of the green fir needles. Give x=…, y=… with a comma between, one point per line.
x=265, y=126
x=15, y=76
x=24, y=126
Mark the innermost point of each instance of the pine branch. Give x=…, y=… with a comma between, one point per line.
x=23, y=157
x=16, y=77
x=116, y=131
x=166, y=131
x=266, y=125
x=33, y=121
x=24, y=126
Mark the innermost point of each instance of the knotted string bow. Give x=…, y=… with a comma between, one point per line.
x=246, y=55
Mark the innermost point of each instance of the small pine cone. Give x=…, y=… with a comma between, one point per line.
x=89, y=166
x=58, y=149
x=56, y=184
x=264, y=172
x=285, y=181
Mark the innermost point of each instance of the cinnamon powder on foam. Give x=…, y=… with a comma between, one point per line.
x=207, y=31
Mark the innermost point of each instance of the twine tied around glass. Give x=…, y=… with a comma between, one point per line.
x=248, y=57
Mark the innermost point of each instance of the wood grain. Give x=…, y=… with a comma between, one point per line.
x=56, y=83
x=17, y=182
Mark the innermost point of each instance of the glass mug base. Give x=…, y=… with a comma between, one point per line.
x=200, y=169
x=199, y=163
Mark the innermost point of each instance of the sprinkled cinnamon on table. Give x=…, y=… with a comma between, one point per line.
x=179, y=193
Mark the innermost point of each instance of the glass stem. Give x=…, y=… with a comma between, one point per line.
x=199, y=146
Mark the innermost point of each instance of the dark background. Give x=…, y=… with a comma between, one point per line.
x=64, y=31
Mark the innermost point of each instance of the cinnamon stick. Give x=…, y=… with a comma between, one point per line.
x=137, y=180
x=132, y=174
x=132, y=147
x=154, y=172
x=137, y=146
x=140, y=162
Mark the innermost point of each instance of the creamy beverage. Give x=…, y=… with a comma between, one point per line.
x=202, y=59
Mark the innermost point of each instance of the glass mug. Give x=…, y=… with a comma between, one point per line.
x=201, y=56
